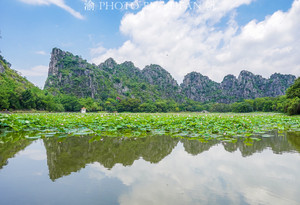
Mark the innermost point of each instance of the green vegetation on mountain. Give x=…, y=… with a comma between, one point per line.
x=17, y=93
x=13, y=86
x=247, y=86
x=294, y=90
x=69, y=74
x=293, y=95
x=74, y=83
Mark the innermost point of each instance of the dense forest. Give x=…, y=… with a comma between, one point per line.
x=17, y=93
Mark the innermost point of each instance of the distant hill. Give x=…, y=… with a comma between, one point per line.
x=70, y=74
x=247, y=86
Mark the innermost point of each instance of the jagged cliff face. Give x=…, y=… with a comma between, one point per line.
x=156, y=75
x=72, y=75
x=247, y=86
x=278, y=83
x=54, y=65
x=200, y=88
x=162, y=80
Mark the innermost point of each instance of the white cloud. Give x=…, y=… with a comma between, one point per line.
x=36, y=71
x=98, y=50
x=41, y=53
x=59, y=3
x=184, y=40
x=208, y=178
x=34, y=154
x=37, y=74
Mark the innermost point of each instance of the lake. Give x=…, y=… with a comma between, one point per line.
x=151, y=170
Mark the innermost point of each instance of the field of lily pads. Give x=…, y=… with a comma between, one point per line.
x=225, y=127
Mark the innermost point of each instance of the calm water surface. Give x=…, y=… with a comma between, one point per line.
x=152, y=170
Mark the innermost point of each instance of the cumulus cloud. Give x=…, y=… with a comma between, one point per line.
x=36, y=71
x=98, y=50
x=43, y=53
x=183, y=37
x=59, y=3
x=36, y=74
x=34, y=154
x=207, y=178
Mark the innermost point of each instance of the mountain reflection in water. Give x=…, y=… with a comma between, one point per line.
x=73, y=153
x=150, y=170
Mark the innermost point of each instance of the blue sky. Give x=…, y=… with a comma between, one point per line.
x=215, y=37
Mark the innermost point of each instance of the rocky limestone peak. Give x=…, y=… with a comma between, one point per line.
x=128, y=64
x=229, y=82
x=289, y=78
x=247, y=78
x=278, y=83
x=109, y=63
x=153, y=68
x=275, y=75
x=199, y=87
x=244, y=74
x=155, y=74
x=229, y=77
x=195, y=78
x=130, y=70
x=73, y=75
x=56, y=55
